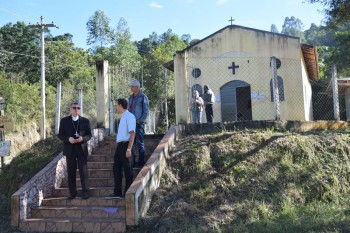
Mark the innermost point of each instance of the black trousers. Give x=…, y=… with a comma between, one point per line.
x=209, y=112
x=121, y=162
x=77, y=158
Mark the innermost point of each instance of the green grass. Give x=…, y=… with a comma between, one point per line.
x=21, y=169
x=255, y=181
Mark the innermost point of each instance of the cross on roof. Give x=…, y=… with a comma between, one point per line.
x=231, y=20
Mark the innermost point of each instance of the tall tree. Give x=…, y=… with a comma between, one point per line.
x=337, y=11
x=274, y=28
x=123, y=51
x=293, y=26
x=20, y=52
x=99, y=31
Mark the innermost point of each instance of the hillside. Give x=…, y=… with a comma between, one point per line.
x=254, y=181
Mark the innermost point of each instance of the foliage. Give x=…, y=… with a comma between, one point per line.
x=22, y=101
x=274, y=28
x=254, y=181
x=21, y=169
x=99, y=31
x=20, y=52
x=64, y=61
x=293, y=26
x=337, y=11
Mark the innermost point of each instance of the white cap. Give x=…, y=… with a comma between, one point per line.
x=134, y=83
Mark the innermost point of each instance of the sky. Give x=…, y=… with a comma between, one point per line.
x=199, y=18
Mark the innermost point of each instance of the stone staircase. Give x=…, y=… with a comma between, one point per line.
x=96, y=214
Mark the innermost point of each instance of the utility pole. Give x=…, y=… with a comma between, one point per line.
x=42, y=27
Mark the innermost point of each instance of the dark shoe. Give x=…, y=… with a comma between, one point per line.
x=85, y=196
x=137, y=166
x=71, y=197
x=114, y=196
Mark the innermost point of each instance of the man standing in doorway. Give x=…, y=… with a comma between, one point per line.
x=139, y=106
x=122, y=155
x=209, y=100
x=75, y=132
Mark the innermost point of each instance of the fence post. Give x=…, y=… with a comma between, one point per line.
x=276, y=96
x=165, y=99
x=81, y=102
x=2, y=132
x=335, y=93
x=58, y=107
x=111, y=117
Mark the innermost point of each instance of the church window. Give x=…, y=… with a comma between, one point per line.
x=196, y=72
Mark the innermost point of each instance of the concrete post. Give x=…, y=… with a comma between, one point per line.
x=276, y=96
x=335, y=93
x=102, y=95
x=111, y=117
x=347, y=103
x=58, y=107
x=81, y=102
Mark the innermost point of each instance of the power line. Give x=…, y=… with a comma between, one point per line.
x=49, y=62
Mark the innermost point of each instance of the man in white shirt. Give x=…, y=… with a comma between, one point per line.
x=122, y=155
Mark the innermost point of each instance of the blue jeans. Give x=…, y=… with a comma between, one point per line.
x=139, y=134
x=197, y=117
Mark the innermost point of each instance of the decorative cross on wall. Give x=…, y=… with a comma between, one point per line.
x=233, y=67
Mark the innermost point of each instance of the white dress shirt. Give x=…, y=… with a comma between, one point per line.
x=127, y=124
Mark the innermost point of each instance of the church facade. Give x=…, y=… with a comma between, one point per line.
x=236, y=63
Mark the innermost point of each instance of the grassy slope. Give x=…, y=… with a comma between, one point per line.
x=21, y=169
x=255, y=181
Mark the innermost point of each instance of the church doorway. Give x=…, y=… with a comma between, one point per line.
x=235, y=101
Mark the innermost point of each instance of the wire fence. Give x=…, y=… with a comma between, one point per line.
x=120, y=78
x=255, y=88
x=86, y=99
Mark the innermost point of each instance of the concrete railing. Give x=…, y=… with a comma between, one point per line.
x=42, y=184
x=138, y=196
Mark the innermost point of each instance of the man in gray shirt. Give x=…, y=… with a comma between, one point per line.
x=209, y=100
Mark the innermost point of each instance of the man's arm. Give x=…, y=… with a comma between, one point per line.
x=61, y=133
x=87, y=135
x=131, y=143
x=145, y=110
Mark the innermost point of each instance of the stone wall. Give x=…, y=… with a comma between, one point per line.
x=22, y=140
x=42, y=184
x=138, y=196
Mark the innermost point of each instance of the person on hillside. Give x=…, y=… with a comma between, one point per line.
x=75, y=132
x=122, y=156
x=196, y=108
x=209, y=100
x=139, y=106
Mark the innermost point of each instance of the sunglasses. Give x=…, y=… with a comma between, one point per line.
x=76, y=108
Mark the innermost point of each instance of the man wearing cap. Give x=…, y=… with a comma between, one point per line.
x=139, y=106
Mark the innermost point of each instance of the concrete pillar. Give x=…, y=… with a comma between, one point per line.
x=102, y=95
x=347, y=103
x=335, y=93
x=182, y=88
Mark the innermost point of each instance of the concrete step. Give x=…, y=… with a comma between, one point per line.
x=94, y=192
x=109, y=150
x=99, y=165
x=100, y=158
x=93, y=182
x=109, y=212
x=98, y=173
x=94, y=225
x=92, y=201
